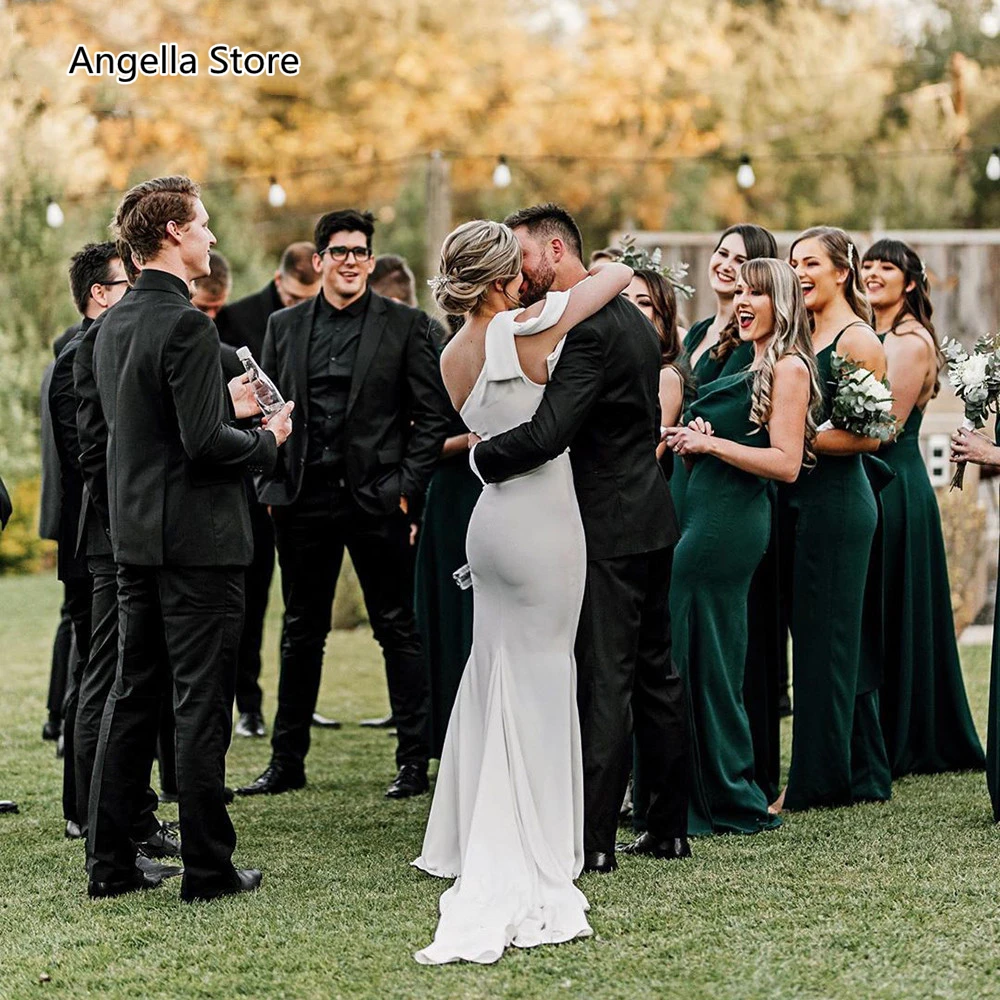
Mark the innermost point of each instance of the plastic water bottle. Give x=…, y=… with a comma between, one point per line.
x=264, y=390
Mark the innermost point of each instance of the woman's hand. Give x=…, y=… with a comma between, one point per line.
x=971, y=446
x=690, y=440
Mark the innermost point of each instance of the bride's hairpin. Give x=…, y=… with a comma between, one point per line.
x=639, y=259
x=437, y=283
x=850, y=254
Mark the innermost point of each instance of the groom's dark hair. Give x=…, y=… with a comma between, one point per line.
x=549, y=220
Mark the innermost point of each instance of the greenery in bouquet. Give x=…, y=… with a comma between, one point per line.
x=975, y=378
x=640, y=259
x=862, y=403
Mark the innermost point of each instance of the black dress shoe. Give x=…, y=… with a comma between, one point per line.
x=162, y=844
x=385, y=723
x=6, y=806
x=138, y=881
x=672, y=849
x=51, y=730
x=247, y=879
x=273, y=781
x=411, y=780
x=156, y=868
x=73, y=831
x=598, y=861
x=251, y=724
x=322, y=722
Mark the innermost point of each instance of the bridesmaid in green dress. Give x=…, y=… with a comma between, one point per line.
x=443, y=610
x=971, y=446
x=654, y=296
x=745, y=428
x=925, y=712
x=828, y=520
x=712, y=346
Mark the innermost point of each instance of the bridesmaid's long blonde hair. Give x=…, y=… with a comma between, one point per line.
x=792, y=336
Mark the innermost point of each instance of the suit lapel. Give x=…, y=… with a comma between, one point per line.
x=298, y=351
x=371, y=334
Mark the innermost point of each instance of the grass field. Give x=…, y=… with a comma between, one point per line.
x=894, y=900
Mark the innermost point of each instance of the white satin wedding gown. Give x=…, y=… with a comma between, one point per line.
x=507, y=817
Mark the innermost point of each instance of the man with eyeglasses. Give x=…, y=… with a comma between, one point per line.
x=243, y=324
x=97, y=280
x=373, y=417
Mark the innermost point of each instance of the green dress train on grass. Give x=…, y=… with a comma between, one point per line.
x=724, y=535
x=443, y=610
x=925, y=712
x=828, y=519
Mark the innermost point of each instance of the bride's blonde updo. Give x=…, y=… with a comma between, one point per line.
x=474, y=255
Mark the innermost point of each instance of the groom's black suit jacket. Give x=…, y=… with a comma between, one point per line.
x=174, y=463
x=398, y=412
x=602, y=403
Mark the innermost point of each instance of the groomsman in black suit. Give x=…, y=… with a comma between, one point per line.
x=602, y=404
x=242, y=324
x=97, y=279
x=374, y=416
x=63, y=649
x=180, y=533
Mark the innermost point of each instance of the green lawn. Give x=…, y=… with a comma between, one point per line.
x=895, y=900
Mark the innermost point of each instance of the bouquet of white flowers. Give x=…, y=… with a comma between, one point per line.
x=976, y=380
x=862, y=403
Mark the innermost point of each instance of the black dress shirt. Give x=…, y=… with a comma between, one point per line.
x=333, y=350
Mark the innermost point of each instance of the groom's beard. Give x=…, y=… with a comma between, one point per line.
x=535, y=285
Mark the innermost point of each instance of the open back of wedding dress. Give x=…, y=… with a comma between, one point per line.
x=507, y=815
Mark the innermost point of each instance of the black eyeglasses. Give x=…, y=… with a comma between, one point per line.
x=338, y=254
x=109, y=284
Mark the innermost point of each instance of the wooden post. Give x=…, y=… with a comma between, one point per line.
x=438, y=208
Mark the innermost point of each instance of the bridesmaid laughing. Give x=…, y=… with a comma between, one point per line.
x=925, y=712
x=746, y=428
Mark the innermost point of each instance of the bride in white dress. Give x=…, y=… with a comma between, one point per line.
x=507, y=817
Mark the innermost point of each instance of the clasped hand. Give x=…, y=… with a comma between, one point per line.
x=690, y=440
x=971, y=446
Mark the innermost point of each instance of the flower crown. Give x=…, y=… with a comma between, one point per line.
x=639, y=259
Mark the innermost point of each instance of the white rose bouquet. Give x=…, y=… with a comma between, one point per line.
x=976, y=380
x=862, y=403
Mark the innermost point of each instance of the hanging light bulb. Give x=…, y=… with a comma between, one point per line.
x=501, y=173
x=745, y=177
x=276, y=194
x=54, y=217
x=993, y=165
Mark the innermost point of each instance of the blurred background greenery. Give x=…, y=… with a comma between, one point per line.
x=632, y=113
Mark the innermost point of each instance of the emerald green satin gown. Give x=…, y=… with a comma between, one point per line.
x=724, y=534
x=925, y=712
x=828, y=519
x=707, y=370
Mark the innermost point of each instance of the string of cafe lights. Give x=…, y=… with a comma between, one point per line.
x=502, y=175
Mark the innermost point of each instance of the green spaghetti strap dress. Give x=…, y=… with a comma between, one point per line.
x=925, y=712
x=724, y=535
x=828, y=519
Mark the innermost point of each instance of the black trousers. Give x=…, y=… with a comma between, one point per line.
x=95, y=685
x=311, y=537
x=626, y=680
x=258, y=587
x=62, y=649
x=198, y=612
x=78, y=598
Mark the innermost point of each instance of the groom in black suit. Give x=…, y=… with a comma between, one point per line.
x=602, y=400
x=180, y=533
x=374, y=414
